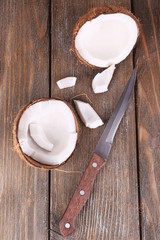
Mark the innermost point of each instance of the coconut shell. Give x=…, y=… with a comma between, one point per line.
x=93, y=13
x=17, y=148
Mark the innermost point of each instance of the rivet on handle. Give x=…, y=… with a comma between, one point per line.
x=67, y=225
x=82, y=192
x=94, y=164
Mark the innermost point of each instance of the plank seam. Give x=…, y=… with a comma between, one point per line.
x=136, y=128
x=50, y=71
x=137, y=142
x=50, y=47
x=138, y=163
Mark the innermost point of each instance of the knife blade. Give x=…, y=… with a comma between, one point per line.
x=98, y=160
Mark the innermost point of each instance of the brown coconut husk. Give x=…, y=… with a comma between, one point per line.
x=93, y=13
x=17, y=148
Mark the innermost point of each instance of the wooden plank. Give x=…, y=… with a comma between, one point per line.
x=24, y=74
x=112, y=210
x=148, y=112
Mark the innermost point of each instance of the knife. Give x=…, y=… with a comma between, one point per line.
x=98, y=160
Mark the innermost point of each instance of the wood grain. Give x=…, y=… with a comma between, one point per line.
x=24, y=76
x=148, y=117
x=112, y=209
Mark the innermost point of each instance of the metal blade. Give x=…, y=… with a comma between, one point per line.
x=104, y=144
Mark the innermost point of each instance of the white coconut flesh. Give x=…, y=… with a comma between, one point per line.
x=88, y=115
x=107, y=39
x=37, y=133
x=47, y=132
x=101, y=81
x=66, y=82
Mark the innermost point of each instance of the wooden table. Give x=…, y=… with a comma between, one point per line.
x=35, y=41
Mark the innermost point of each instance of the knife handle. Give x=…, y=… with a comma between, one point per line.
x=81, y=194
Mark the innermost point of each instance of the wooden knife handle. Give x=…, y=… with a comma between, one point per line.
x=67, y=223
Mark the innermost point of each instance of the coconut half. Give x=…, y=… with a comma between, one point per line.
x=66, y=82
x=101, y=81
x=46, y=131
x=105, y=36
x=87, y=114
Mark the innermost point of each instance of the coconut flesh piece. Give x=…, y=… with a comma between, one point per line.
x=38, y=135
x=101, y=81
x=66, y=82
x=88, y=115
x=107, y=39
x=57, y=124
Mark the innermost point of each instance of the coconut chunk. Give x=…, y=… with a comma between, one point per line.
x=66, y=82
x=88, y=115
x=101, y=81
x=105, y=36
x=48, y=125
x=38, y=135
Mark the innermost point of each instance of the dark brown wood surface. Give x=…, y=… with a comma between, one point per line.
x=112, y=210
x=35, y=42
x=148, y=117
x=24, y=76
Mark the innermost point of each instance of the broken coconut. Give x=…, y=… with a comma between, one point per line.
x=46, y=132
x=66, y=82
x=87, y=114
x=105, y=36
x=101, y=81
